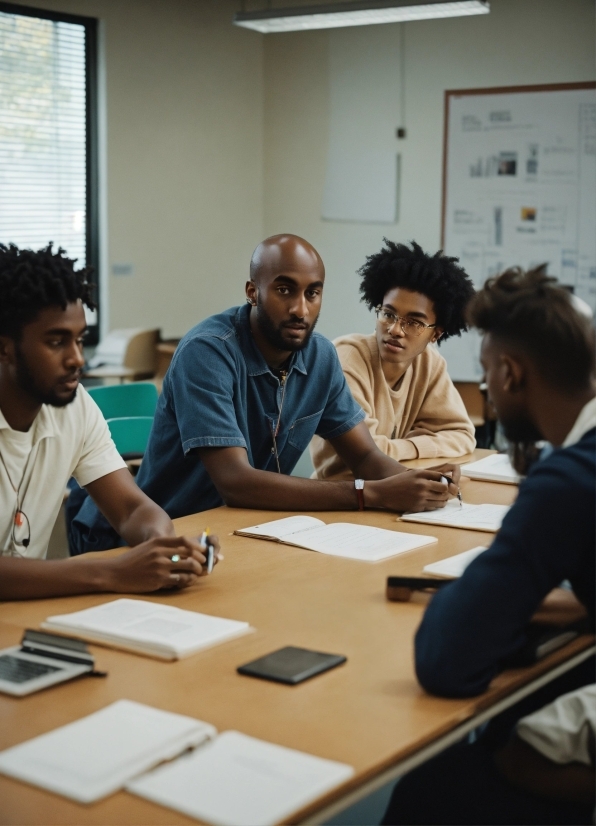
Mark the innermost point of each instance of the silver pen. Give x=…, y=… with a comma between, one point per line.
x=447, y=479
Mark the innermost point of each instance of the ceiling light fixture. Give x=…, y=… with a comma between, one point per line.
x=336, y=15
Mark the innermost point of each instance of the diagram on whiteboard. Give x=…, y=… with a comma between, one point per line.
x=520, y=189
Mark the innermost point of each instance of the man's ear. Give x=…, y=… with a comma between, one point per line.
x=6, y=350
x=438, y=332
x=251, y=293
x=513, y=373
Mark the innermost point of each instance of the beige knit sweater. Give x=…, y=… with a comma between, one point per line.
x=424, y=398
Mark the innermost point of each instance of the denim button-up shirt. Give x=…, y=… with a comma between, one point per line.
x=220, y=392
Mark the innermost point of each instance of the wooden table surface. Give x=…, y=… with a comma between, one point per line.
x=369, y=713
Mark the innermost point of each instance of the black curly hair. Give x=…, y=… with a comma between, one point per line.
x=436, y=276
x=32, y=280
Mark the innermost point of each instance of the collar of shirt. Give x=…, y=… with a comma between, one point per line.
x=255, y=361
x=43, y=424
x=584, y=422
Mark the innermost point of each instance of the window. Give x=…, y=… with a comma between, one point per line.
x=48, y=134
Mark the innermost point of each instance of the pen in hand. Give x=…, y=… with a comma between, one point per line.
x=204, y=540
x=447, y=480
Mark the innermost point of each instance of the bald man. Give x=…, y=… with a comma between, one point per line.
x=247, y=390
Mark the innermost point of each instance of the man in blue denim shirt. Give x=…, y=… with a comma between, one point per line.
x=246, y=391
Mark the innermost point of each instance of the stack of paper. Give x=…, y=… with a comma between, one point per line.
x=344, y=539
x=97, y=755
x=454, y=566
x=494, y=468
x=147, y=628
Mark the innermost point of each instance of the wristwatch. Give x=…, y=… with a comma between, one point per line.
x=359, y=488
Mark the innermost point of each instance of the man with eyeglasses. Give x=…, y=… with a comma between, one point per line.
x=246, y=391
x=400, y=380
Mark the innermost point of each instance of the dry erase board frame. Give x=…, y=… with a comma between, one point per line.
x=519, y=188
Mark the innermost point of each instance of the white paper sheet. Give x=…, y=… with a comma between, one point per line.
x=494, y=468
x=454, y=566
x=96, y=755
x=241, y=781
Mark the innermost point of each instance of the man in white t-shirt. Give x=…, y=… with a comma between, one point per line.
x=50, y=430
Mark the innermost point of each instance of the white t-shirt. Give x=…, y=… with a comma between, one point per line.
x=62, y=442
x=564, y=731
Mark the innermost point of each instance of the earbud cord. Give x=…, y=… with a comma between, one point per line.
x=17, y=494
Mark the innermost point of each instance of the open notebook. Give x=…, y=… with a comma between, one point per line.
x=494, y=468
x=453, y=515
x=338, y=539
x=147, y=628
x=232, y=780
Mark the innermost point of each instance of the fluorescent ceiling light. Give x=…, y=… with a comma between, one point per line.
x=335, y=15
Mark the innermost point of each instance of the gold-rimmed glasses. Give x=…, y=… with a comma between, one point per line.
x=409, y=326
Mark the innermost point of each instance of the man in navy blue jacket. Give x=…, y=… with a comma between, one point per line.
x=538, y=358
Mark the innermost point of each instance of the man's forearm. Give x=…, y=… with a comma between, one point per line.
x=261, y=489
x=377, y=465
x=146, y=521
x=38, y=579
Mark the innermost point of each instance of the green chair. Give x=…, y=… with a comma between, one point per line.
x=130, y=435
x=122, y=400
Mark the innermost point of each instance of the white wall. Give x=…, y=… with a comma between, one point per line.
x=184, y=151
x=519, y=42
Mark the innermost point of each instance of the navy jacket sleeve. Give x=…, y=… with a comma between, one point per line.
x=472, y=625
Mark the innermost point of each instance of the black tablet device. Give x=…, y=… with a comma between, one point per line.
x=291, y=665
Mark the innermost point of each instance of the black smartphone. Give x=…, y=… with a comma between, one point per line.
x=399, y=588
x=291, y=665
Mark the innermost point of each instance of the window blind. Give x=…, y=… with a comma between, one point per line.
x=44, y=174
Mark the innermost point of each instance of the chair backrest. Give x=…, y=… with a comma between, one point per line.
x=119, y=400
x=131, y=434
x=141, y=354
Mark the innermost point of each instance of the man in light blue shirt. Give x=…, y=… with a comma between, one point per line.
x=246, y=391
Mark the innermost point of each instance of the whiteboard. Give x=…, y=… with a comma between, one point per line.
x=519, y=189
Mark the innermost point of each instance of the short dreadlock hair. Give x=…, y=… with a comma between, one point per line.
x=32, y=280
x=436, y=276
x=532, y=311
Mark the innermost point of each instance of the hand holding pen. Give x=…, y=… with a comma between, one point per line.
x=447, y=481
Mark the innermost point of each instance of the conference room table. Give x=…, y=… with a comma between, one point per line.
x=370, y=712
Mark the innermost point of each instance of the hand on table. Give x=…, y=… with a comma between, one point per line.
x=414, y=490
x=162, y=562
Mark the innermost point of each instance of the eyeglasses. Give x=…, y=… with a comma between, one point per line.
x=410, y=326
